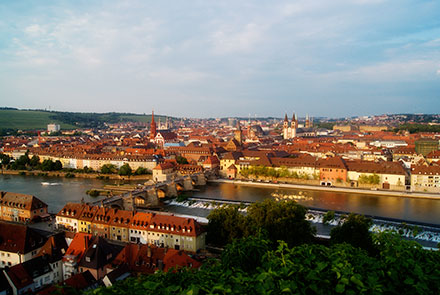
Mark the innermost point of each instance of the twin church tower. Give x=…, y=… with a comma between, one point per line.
x=289, y=132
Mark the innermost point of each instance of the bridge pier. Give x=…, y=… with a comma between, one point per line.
x=187, y=184
x=171, y=190
x=201, y=180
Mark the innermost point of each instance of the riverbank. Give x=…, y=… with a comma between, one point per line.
x=63, y=174
x=330, y=189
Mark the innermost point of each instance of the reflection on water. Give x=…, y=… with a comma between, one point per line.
x=421, y=210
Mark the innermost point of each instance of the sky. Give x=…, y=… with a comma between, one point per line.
x=204, y=58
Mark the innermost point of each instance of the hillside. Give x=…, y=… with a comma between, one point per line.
x=26, y=120
x=14, y=119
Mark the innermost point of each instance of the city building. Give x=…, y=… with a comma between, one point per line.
x=18, y=243
x=425, y=178
x=98, y=254
x=30, y=276
x=53, y=127
x=68, y=217
x=21, y=208
x=74, y=254
x=289, y=132
x=425, y=146
x=163, y=172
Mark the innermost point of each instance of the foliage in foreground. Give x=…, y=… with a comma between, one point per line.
x=399, y=267
x=280, y=220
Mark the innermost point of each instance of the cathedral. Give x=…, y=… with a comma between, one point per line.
x=295, y=129
x=290, y=131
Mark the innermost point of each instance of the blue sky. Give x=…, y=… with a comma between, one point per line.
x=222, y=58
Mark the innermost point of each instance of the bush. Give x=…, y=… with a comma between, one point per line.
x=398, y=268
x=355, y=231
x=93, y=193
x=69, y=175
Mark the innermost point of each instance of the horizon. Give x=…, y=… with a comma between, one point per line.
x=225, y=117
x=334, y=59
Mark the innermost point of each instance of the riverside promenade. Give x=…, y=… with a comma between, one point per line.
x=405, y=194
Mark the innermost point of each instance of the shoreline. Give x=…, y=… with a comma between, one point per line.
x=415, y=195
x=62, y=174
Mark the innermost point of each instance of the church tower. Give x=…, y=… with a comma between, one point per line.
x=293, y=126
x=307, y=125
x=286, y=127
x=238, y=134
x=153, y=131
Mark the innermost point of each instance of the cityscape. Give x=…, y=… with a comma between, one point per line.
x=251, y=147
x=156, y=182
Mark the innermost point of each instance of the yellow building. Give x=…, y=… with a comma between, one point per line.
x=85, y=220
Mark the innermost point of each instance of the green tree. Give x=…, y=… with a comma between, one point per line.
x=21, y=163
x=35, y=162
x=282, y=220
x=181, y=160
x=125, y=170
x=108, y=169
x=57, y=165
x=246, y=253
x=4, y=160
x=226, y=223
x=47, y=165
x=142, y=171
x=355, y=231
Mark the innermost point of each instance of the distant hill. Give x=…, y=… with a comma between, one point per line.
x=14, y=119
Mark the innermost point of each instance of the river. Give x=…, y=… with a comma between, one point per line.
x=54, y=191
x=58, y=191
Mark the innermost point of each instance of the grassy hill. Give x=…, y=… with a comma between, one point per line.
x=13, y=119
x=26, y=120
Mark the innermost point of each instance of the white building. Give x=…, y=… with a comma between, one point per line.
x=53, y=127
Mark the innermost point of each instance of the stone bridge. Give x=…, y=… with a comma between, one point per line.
x=149, y=196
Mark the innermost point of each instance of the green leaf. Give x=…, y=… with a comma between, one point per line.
x=340, y=288
x=149, y=285
x=409, y=281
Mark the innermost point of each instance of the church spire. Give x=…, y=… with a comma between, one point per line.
x=153, y=131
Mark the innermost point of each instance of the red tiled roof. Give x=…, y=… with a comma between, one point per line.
x=20, y=201
x=19, y=238
x=174, y=224
x=79, y=245
x=425, y=170
x=164, y=166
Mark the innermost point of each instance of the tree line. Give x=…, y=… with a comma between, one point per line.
x=283, y=172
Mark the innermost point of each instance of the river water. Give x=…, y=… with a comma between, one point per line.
x=58, y=191
x=410, y=209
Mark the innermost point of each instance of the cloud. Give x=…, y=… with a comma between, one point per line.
x=34, y=30
x=229, y=40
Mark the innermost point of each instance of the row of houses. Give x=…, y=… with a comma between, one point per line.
x=96, y=161
x=162, y=230
x=418, y=177
x=81, y=261
x=329, y=171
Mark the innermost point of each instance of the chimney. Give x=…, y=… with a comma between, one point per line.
x=165, y=250
x=86, y=242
